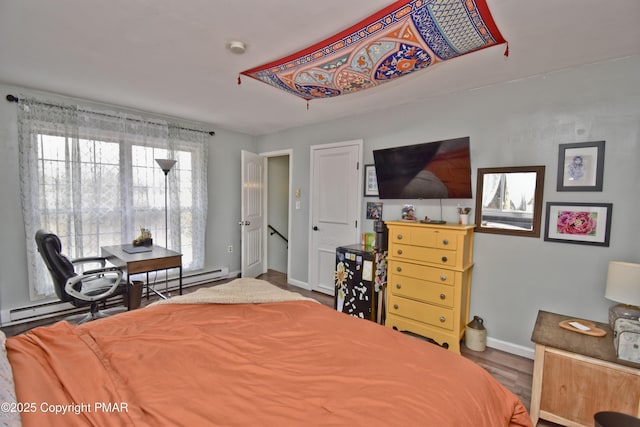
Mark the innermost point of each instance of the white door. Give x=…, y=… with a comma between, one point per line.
x=252, y=212
x=335, y=208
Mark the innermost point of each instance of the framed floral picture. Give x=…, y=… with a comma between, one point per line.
x=581, y=166
x=582, y=223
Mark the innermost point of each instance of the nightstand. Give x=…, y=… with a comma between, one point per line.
x=576, y=375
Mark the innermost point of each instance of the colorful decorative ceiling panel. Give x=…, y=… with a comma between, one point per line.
x=407, y=36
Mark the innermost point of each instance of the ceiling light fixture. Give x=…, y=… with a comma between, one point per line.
x=237, y=47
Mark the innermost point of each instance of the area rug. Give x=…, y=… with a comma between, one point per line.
x=407, y=36
x=238, y=291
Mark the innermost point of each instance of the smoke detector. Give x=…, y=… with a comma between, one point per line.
x=237, y=47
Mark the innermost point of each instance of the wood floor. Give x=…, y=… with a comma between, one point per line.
x=514, y=372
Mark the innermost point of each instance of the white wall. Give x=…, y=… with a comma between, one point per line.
x=516, y=123
x=223, y=191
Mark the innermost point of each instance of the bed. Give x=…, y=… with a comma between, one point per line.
x=246, y=353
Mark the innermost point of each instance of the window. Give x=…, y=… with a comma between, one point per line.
x=91, y=178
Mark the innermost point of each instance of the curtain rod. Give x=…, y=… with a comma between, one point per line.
x=15, y=99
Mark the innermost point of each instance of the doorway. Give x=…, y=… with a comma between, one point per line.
x=265, y=210
x=278, y=196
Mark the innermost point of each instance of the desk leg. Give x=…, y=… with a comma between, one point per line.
x=147, y=286
x=180, y=279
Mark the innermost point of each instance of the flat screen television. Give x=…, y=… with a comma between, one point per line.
x=433, y=170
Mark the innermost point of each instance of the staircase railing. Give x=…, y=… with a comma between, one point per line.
x=274, y=231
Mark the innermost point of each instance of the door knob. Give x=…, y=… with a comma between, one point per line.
x=315, y=228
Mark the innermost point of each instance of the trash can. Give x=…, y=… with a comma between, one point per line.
x=615, y=419
x=135, y=294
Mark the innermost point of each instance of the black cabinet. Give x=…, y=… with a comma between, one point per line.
x=360, y=278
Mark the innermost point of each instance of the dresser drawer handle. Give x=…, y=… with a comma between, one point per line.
x=399, y=236
x=398, y=286
x=443, y=296
x=444, y=259
x=443, y=278
x=399, y=251
x=395, y=306
x=445, y=242
x=443, y=319
x=398, y=269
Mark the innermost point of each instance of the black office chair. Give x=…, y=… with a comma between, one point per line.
x=90, y=287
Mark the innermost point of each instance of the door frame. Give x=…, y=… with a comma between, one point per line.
x=358, y=195
x=266, y=155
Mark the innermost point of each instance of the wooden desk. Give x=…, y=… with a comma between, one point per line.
x=158, y=258
x=576, y=375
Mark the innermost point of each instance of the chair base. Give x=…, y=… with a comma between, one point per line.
x=92, y=316
x=78, y=319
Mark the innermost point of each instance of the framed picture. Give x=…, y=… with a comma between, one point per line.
x=374, y=210
x=409, y=213
x=582, y=223
x=370, y=181
x=581, y=166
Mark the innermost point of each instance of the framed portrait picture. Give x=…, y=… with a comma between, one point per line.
x=582, y=223
x=370, y=181
x=374, y=210
x=581, y=166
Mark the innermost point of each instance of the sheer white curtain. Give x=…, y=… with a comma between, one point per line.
x=90, y=176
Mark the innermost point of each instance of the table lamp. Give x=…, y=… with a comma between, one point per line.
x=623, y=286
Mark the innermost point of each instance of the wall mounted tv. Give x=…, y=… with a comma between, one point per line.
x=433, y=170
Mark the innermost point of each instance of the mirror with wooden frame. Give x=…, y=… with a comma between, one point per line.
x=509, y=200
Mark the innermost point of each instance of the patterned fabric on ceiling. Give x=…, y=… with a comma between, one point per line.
x=407, y=36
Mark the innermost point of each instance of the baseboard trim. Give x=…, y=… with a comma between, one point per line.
x=299, y=284
x=518, y=350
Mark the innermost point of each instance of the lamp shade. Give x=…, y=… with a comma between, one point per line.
x=623, y=283
x=165, y=164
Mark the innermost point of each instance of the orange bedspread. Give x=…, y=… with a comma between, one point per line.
x=276, y=364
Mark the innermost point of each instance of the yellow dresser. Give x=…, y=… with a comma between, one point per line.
x=429, y=279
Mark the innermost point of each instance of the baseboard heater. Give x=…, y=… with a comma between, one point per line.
x=191, y=279
x=45, y=310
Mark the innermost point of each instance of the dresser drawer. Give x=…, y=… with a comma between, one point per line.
x=425, y=237
x=423, y=272
x=431, y=255
x=430, y=314
x=422, y=290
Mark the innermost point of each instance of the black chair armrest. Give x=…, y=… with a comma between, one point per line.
x=84, y=260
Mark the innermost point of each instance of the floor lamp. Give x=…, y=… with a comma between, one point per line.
x=166, y=165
